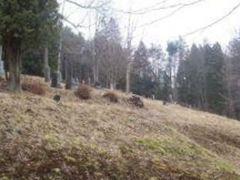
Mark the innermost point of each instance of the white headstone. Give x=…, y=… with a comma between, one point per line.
x=1, y=63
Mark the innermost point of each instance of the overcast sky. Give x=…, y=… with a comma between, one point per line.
x=183, y=21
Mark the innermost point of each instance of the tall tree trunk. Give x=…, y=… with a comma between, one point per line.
x=128, y=77
x=13, y=54
x=95, y=73
x=130, y=31
x=4, y=56
x=46, y=66
x=230, y=99
x=1, y=62
x=54, y=82
x=69, y=74
x=95, y=65
x=170, y=93
x=113, y=84
x=59, y=79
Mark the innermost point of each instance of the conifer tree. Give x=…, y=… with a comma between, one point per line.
x=215, y=80
x=21, y=23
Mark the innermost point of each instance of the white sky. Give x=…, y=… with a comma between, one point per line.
x=184, y=21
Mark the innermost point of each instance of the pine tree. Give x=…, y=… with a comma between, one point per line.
x=183, y=82
x=21, y=22
x=215, y=78
x=142, y=81
x=233, y=78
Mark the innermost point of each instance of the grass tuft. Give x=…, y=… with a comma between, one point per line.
x=111, y=96
x=83, y=92
x=34, y=86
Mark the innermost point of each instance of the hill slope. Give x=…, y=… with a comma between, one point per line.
x=98, y=140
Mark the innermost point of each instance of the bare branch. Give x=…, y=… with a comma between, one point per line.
x=148, y=10
x=90, y=6
x=162, y=18
x=214, y=22
x=76, y=26
x=170, y=14
x=140, y=10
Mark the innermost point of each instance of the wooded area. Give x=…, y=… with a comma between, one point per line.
x=88, y=98
x=35, y=42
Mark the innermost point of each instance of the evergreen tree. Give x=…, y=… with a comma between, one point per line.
x=141, y=63
x=157, y=60
x=233, y=78
x=196, y=77
x=201, y=79
x=215, y=78
x=142, y=81
x=183, y=82
x=21, y=22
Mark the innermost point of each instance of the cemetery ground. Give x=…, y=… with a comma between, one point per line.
x=96, y=139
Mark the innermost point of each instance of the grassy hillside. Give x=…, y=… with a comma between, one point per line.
x=96, y=139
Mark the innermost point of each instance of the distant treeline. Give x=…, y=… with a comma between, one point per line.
x=201, y=76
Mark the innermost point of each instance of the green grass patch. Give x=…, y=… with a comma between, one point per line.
x=184, y=153
x=172, y=147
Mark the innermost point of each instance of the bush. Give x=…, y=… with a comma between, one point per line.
x=83, y=92
x=136, y=101
x=34, y=86
x=111, y=96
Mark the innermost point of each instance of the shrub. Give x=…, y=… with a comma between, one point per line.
x=83, y=92
x=136, y=101
x=111, y=96
x=34, y=86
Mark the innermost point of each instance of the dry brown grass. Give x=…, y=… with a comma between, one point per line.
x=34, y=85
x=111, y=96
x=83, y=92
x=216, y=133
x=94, y=140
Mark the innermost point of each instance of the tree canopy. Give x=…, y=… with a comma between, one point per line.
x=22, y=25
